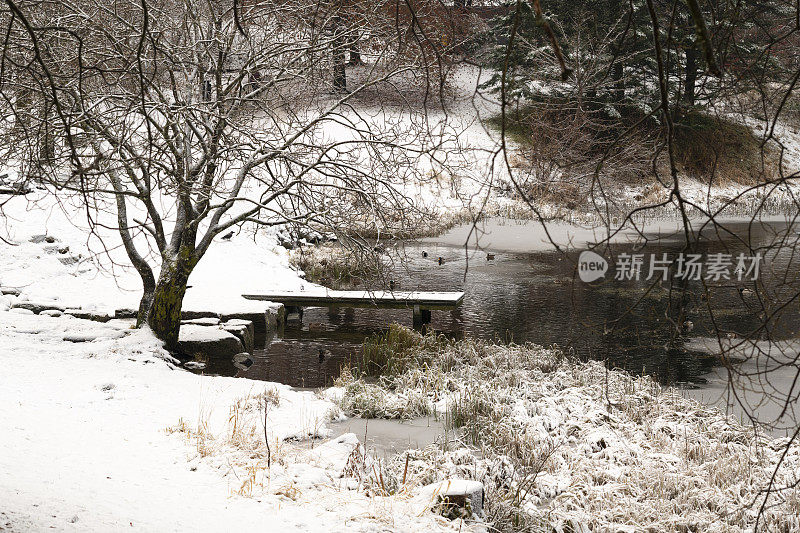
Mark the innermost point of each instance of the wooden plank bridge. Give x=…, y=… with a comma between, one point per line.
x=421, y=303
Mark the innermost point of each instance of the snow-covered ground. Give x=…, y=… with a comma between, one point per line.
x=98, y=274
x=109, y=433
x=103, y=436
x=485, y=183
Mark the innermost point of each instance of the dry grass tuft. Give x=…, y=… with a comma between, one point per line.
x=719, y=151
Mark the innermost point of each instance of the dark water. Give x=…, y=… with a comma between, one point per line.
x=641, y=326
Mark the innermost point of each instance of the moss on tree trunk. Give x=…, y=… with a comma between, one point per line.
x=164, y=316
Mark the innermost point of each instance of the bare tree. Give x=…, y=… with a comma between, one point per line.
x=187, y=119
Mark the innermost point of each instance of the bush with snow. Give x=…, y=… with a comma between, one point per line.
x=575, y=446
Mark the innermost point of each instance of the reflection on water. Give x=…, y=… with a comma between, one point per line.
x=537, y=297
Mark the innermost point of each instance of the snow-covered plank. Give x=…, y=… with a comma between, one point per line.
x=322, y=297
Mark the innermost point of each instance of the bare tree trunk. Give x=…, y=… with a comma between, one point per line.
x=45, y=153
x=164, y=316
x=355, y=53
x=617, y=76
x=47, y=150
x=689, y=85
x=692, y=55
x=147, y=299
x=339, y=45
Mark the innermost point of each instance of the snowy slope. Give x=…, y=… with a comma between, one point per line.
x=86, y=447
x=101, y=276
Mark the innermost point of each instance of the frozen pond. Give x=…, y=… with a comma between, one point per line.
x=384, y=438
x=526, y=292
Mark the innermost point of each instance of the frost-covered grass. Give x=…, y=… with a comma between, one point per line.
x=336, y=267
x=569, y=446
x=392, y=352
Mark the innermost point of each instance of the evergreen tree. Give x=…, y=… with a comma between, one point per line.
x=609, y=46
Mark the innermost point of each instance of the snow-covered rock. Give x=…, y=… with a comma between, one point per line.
x=334, y=454
x=39, y=306
x=94, y=315
x=205, y=321
x=454, y=497
x=105, y=333
x=262, y=321
x=13, y=291
x=242, y=330
x=202, y=342
x=242, y=361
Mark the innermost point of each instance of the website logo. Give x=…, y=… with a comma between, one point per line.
x=715, y=267
x=591, y=266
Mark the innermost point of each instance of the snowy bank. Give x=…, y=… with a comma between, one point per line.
x=109, y=435
x=98, y=276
